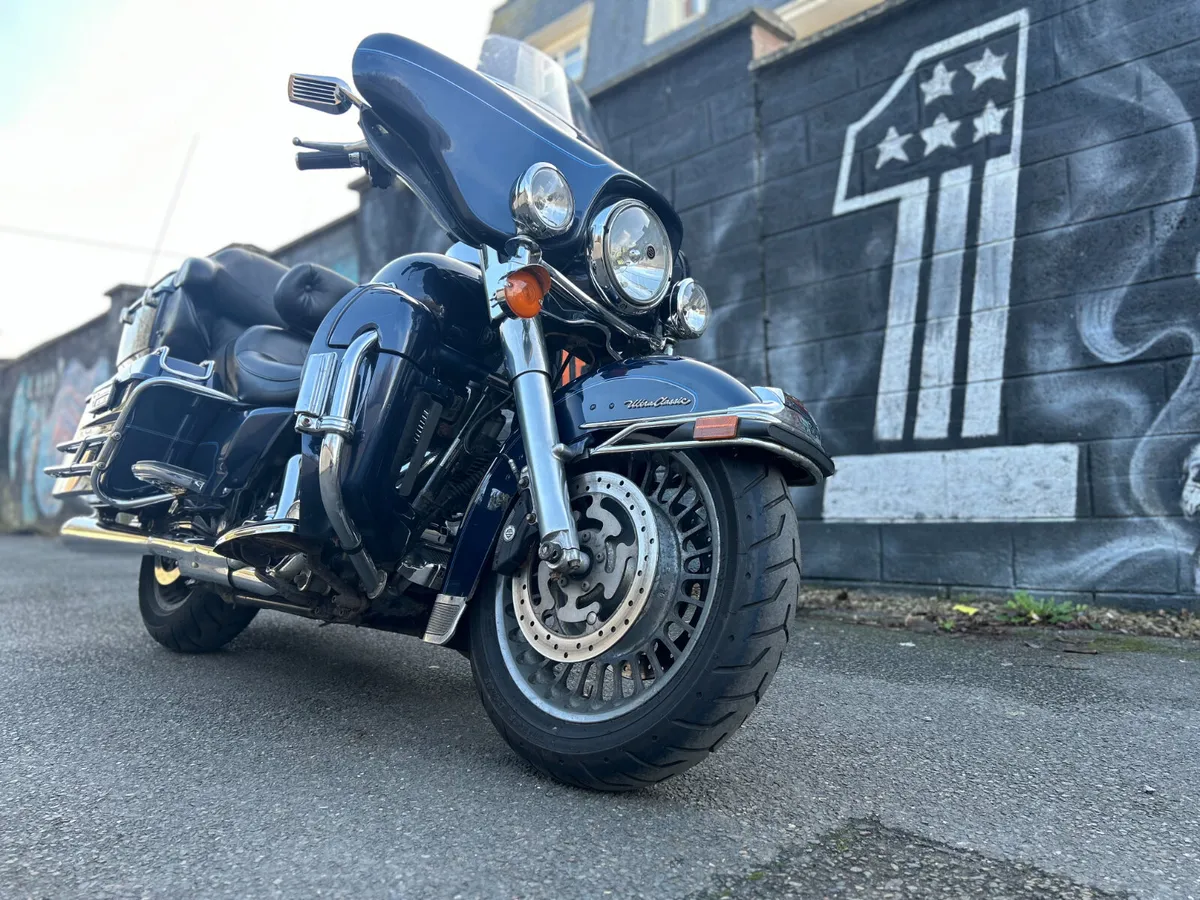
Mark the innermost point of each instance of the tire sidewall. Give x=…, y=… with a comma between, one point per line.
x=510, y=708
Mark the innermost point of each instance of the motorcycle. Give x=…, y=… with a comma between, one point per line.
x=496, y=449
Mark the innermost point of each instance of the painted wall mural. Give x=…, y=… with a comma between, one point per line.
x=1114, y=367
x=46, y=406
x=944, y=141
x=976, y=226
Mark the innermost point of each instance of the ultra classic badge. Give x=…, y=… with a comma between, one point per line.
x=661, y=401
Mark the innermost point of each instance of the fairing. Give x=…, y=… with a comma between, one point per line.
x=461, y=141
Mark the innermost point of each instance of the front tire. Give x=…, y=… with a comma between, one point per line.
x=716, y=680
x=184, y=615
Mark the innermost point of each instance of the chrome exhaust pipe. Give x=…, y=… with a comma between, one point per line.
x=195, y=560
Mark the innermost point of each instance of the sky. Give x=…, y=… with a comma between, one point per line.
x=112, y=108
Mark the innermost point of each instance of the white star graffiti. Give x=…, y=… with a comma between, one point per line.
x=939, y=83
x=892, y=147
x=939, y=134
x=990, y=121
x=989, y=67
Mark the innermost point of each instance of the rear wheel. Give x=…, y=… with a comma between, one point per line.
x=643, y=667
x=184, y=615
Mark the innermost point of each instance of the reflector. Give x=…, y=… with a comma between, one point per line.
x=715, y=428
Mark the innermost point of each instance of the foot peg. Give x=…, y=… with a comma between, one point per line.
x=443, y=621
x=171, y=479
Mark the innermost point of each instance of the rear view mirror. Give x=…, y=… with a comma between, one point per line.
x=322, y=92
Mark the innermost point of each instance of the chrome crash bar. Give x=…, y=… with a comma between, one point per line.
x=321, y=376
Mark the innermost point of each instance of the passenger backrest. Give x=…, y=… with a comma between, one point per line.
x=214, y=300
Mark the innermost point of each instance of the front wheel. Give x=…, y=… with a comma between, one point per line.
x=641, y=668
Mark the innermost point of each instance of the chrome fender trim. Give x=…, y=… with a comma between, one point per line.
x=771, y=411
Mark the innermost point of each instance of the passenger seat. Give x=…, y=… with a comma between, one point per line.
x=263, y=364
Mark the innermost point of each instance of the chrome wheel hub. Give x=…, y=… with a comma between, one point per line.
x=579, y=618
x=649, y=592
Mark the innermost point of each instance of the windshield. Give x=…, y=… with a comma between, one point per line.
x=540, y=82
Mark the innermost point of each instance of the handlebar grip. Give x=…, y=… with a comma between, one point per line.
x=326, y=159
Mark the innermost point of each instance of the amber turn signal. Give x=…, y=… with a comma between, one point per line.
x=715, y=428
x=524, y=290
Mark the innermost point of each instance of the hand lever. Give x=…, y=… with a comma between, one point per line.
x=330, y=148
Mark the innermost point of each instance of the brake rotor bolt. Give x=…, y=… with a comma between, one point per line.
x=591, y=618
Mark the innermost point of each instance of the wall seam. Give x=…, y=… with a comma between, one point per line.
x=760, y=223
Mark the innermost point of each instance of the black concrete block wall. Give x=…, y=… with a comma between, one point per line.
x=1078, y=482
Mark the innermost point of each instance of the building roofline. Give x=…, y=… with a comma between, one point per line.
x=316, y=232
x=838, y=27
x=49, y=343
x=755, y=15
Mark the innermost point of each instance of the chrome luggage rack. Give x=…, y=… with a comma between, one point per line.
x=74, y=478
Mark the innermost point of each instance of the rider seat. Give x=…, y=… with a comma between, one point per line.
x=252, y=316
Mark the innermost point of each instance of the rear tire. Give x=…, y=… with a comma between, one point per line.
x=186, y=616
x=737, y=649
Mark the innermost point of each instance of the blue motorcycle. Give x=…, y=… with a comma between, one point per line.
x=496, y=449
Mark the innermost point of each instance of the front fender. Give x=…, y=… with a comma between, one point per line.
x=615, y=407
x=635, y=405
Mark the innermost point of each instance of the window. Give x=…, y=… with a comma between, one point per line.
x=572, y=59
x=665, y=16
x=807, y=17
x=566, y=40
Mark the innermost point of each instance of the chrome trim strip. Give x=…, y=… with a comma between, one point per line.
x=753, y=412
x=778, y=449
x=768, y=411
x=329, y=465
x=207, y=366
x=316, y=381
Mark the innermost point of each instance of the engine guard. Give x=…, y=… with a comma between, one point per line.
x=663, y=402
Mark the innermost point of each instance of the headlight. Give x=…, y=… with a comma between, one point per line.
x=630, y=256
x=542, y=202
x=691, y=312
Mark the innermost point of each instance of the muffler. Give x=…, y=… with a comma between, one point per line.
x=195, y=560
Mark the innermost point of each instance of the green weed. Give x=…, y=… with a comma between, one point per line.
x=1026, y=609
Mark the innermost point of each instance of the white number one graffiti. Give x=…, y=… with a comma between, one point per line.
x=971, y=101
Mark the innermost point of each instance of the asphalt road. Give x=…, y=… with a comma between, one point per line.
x=308, y=761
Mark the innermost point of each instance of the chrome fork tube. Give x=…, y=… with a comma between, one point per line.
x=528, y=367
x=339, y=428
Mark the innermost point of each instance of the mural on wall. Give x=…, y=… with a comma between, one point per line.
x=945, y=139
x=1113, y=263
x=923, y=147
x=46, y=406
x=1154, y=310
